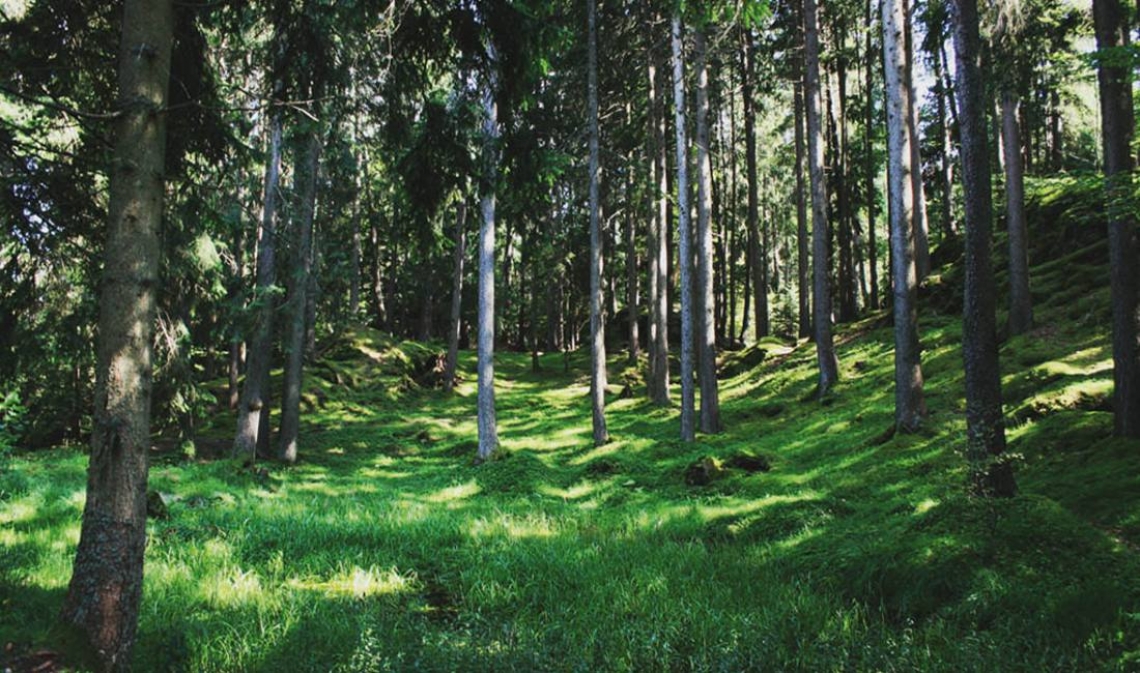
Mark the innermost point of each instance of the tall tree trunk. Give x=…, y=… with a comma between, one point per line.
x=803, y=236
x=306, y=179
x=684, y=231
x=985, y=427
x=1117, y=126
x=633, y=292
x=456, y=296
x=488, y=427
x=821, y=293
x=758, y=255
x=597, y=324
x=254, y=398
x=706, y=326
x=848, y=284
x=946, y=170
x=659, y=266
x=237, y=342
x=1056, y=127
x=869, y=157
x=910, y=404
x=1020, y=302
x=103, y=597
x=921, y=222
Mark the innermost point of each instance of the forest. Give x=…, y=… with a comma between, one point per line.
x=590, y=335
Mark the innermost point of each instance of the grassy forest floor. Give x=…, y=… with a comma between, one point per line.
x=385, y=548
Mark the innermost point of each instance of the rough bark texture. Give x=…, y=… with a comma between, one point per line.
x=103, y=597
x=910, y=404
x=597, y=324
x=299, y=283
x=488, y=428
x=821, y=292
x=706, y=326
x=684, y=231
x=456, y=296
x=253, y=395
x=1020, y=302
x=869, y=159
x=1117, y=126
x=985, y=427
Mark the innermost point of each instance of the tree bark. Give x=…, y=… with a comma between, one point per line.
x=488, y=427
x=597, y=324
x=869, y=159
x=706, y=326
x=921, y=222
x=254, y=398
x=1020, y=301
x=105, y=590
x=684, y=231
x=1117, y=127
x=299, y=281
x=758, y=255
x=456, y=296
x=633, y=292
x=910, y=404
x=825, y=347
x=659, y=245
x=985, y=427
x=803, y=235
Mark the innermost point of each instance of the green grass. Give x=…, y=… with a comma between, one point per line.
x=385, y=548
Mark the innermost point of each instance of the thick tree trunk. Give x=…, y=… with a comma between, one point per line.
x=597, y=321
x=985, y=427
x=488, y=427
x=299, y=281
x=821, y=293
x=254, y=398
x=103, y=597
x=910, y=404
x=684, y=230
x=1020, y=302
x=1117, y=127
x=706, y=326
x=456, y=296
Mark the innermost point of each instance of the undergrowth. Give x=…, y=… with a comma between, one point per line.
x=387, y=549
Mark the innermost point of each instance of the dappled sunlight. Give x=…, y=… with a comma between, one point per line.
x=453, y=494
x=358, y=583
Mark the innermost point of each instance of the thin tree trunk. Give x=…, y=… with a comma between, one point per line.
x=910, y=404
x=488, y=427
x=306, y=178
x=254, y=398
x=825, y=347
x=1020, y=302
x=659, y=267
x=848, y=285
x=456, y=296
x=706, y=327
x=684, y=229
x=869, y=158
x=921, y=221
x=597, y=324
x=757, y=254
x=1117, y=127
x=803, y=239
x=103, y=597
x=633, y=292
x=985, y=427
x=946, y=172
x=237, y=343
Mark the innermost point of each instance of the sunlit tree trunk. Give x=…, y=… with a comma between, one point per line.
x=597, y=326
x=921, y=222
x=659, y=266
x=910, y=404
x=821, y=292
x=757, y=255
x=103, y=597
x=985, y=427
x=706, y=327
x=684, y=231
x=488, y=427
x=803, y=232
x=1117, y=127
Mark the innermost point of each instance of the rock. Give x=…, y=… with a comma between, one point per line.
x=749, y=463
x=703, y=472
